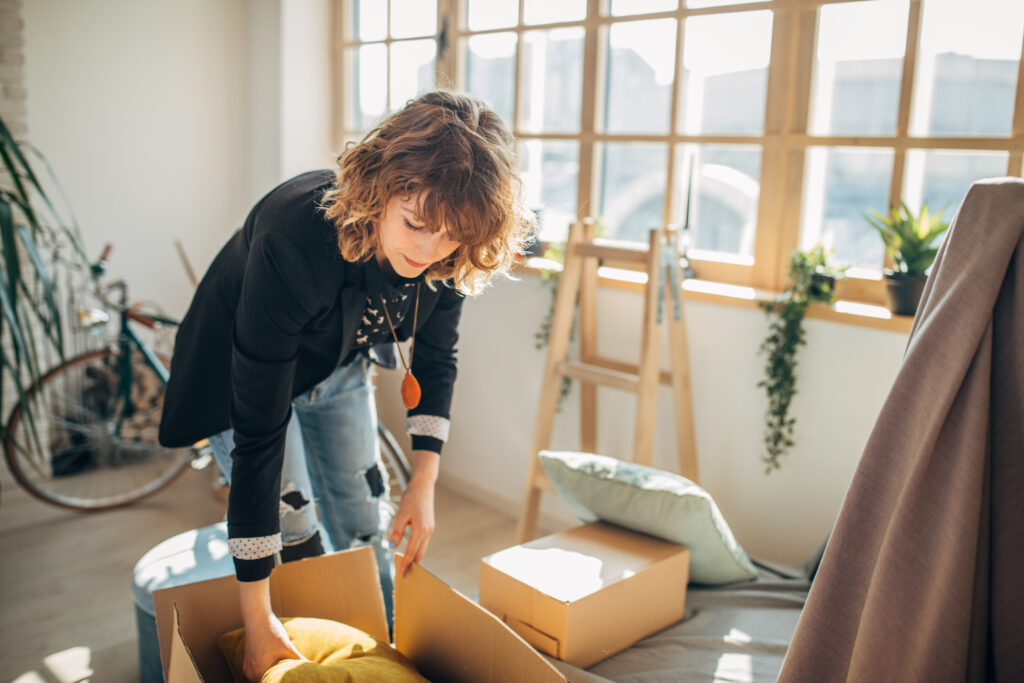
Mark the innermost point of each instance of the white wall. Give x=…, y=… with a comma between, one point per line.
x=306, y=140
x=844, y=376
x=168, y=120
x=140, y=107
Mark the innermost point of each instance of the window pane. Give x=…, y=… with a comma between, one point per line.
x=370, y=19
x=726, y=61
x=368, y=81
x=967, y=67
x=550, y=11
x=485, y=14
x=840, y=186
x=633, y=188
x=859, y=67
x=621, y=8
x=721, y=184
x=552, y=81
x=412, y=70
x=641, y=58
x=411, y=18
x=550, y=169
x=941, y=177
x=491, y=71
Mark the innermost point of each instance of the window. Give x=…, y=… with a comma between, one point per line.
x=388, y=57
x=760, y=126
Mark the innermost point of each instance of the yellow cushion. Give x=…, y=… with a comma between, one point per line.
x=337, y=653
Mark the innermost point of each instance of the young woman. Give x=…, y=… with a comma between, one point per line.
x=329, y=271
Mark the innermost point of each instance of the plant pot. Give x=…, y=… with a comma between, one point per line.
x=822, y=286
x=904, y=291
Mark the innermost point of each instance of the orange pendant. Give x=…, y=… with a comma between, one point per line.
x=410, y=391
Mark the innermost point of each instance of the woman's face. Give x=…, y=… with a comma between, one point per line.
x=409, y=246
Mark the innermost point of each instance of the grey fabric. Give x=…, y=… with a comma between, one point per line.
x=922, y=580
x=731, y=634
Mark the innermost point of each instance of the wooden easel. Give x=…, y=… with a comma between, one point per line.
x=662, y=301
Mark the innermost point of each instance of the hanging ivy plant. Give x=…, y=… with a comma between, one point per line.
x=811, y=279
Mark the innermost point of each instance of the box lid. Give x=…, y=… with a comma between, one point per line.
x=451, y=638
x=573, y=564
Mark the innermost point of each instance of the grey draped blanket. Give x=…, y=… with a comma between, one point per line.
x=923, y=578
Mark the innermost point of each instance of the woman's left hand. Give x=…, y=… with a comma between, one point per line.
x=416, y=510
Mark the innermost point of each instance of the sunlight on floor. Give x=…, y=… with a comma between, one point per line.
x=734, y=667
x=30, y=677
x=71, y=665
x=67, y=666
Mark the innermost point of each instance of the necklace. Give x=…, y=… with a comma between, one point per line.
x=410, y=387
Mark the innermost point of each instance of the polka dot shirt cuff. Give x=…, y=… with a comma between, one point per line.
x=433, y=426
x=254, y=548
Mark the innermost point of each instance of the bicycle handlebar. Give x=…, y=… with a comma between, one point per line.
x=100, y=291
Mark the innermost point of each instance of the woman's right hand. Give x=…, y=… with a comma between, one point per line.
x=266, y=641
x=266, y=645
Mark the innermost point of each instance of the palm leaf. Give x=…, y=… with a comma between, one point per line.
x=19, y=167
x=11, y=262
x=53, y=329
x=26, y=409
x=49, y=315
x=27, y=292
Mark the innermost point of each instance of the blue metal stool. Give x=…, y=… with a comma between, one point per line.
x=191, y=556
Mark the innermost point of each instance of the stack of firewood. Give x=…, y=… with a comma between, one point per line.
x=147, y=394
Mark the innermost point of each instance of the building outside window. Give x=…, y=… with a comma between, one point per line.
x=761, y=127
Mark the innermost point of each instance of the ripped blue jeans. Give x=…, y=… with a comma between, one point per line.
x=332, y=463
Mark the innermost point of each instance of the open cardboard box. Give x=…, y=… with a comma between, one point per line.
x=584, y=594
x=447, y=636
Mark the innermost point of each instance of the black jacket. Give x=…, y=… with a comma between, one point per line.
x=273, y=316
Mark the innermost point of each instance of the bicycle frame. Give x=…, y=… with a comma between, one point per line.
x=126, y=340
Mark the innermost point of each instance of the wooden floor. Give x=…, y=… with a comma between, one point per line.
x=66, y=611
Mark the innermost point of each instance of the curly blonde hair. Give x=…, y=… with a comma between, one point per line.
x=458, y=155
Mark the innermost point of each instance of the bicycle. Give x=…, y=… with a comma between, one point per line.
x=96, y=418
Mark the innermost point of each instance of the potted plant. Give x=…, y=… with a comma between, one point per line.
x=910, y=241
x=31, y=229
x=811, y=278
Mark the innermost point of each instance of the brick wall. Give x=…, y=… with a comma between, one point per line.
x=13, y=111
x=12, y=68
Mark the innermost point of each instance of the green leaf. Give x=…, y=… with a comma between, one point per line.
x=42, y=272
x=908, y=238
x=11, y=262
x=27, y=292
x=27, y=410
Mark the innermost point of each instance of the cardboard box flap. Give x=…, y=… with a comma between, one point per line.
x=206, y=609
x=535, y=637
x=448, y=637
x=581, y=561
x=181, y=667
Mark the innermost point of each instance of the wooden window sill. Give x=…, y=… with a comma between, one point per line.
x=706, y=291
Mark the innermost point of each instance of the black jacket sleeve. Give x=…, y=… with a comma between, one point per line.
x=434, y=363
x=278, y=298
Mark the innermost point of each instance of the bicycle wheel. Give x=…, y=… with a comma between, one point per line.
x=94, y=450
x=395, y=463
